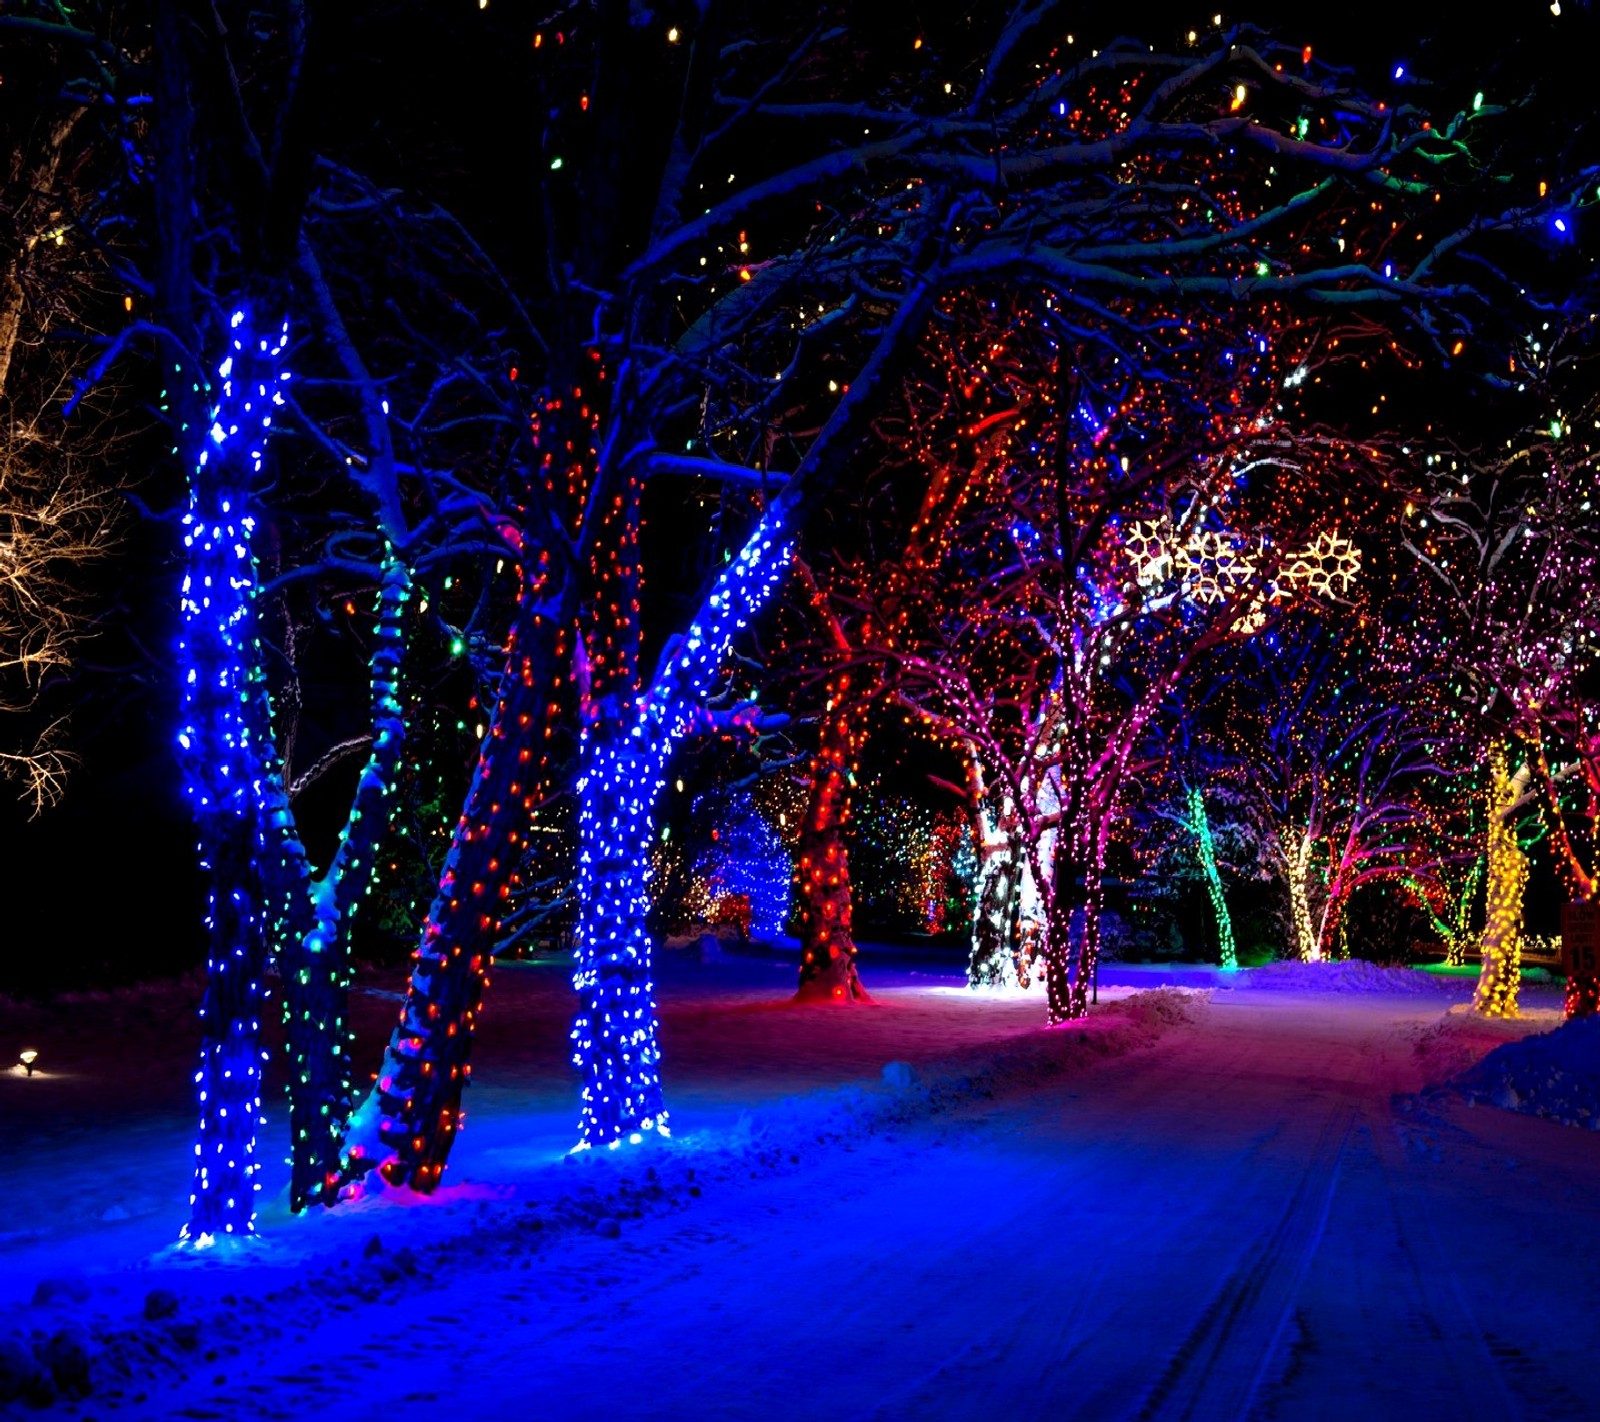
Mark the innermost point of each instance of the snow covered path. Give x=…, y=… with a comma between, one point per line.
x=1238, y=1221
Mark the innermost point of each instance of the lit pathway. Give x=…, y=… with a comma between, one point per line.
x=1235, y=1223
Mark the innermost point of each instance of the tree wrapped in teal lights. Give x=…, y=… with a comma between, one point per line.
x=314, y=911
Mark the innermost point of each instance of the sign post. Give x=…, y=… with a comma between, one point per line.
x=1580, y=957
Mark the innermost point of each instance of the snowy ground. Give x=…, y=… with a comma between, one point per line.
x=1221, y=1203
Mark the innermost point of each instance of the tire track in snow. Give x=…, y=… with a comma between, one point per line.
x=1035, y=1347
x=1218, y=1370
x=1451, y=1322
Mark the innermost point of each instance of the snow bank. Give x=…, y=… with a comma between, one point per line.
x=118, y=1338
x=905, y=1094
x=1350, y=976
x=1555, y=1075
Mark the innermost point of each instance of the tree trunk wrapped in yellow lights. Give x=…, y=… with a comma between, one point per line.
x=1507, y=878
x=1297, y=864
x=1457, y=935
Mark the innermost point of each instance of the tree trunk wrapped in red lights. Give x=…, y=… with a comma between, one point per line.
x=409, y=1122
x=822, y=873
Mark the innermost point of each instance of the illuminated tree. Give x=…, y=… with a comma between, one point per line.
x=866, y=606
x=822, y=867
x=57, y=518
x=737, y=868
x=1187, y=788
x=225, y=194
x=1506, y=876
x=1056, y=706
x=823, y=898
x=1341, y=742
x=1451, y=916
x=1006, y=909
x=58, y=504
x=1046, y=645
x=1199, y=823
x=1509, y=542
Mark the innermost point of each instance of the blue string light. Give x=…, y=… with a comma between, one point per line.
x=223, y=766
x=620, y=780
x=747, y=860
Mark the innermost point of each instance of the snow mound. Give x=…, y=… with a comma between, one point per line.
x=836, y=1114
x=74, y=1341
x=1555, y=1075
x=1350, y=976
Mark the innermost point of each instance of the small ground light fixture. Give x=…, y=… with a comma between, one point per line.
x=28, y=1058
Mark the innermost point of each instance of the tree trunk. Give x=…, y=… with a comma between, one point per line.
x=1297, y=865
x=1072, y=946
x=622, y=762
x=222, y=1201
x=1458, y=935
x=223, y=767
x=1332, y=925
x=314, y=951
x=1207, y=850
x=1008, y=926
x=1072, y=924
x=614, y=1035
x=1008, y=923
x=1507, y=877
x=996, y=922
x=409, y=1122
x=822, y=873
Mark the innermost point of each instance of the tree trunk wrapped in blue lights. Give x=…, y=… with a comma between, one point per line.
x=622, y=770
x=614, y=1037
x=223, y=765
